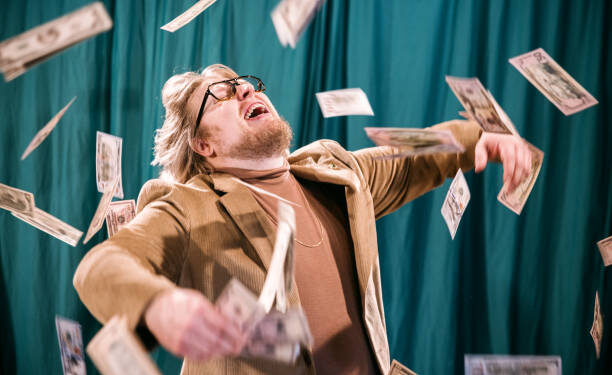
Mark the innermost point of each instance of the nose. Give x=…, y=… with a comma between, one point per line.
x=244, y=90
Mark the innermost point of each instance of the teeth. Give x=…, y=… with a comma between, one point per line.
x=255, y=106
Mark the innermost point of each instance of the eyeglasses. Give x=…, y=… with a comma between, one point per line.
x=225, y=90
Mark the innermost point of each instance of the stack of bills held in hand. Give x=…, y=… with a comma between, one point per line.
x=116, y=351
x=553, y=81
x=25, y=50
x=291, y=17
x=413, y=141
x=273, y=334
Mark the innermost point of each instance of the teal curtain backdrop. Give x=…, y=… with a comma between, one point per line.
x=507, y=284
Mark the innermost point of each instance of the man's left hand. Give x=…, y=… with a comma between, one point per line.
x=511, y=150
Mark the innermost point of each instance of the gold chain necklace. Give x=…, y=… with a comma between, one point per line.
x=309, y=208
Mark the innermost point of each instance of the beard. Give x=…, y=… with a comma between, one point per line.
x=268, y=140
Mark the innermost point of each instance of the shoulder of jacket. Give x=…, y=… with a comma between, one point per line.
x=324, y=148
x=169, y=191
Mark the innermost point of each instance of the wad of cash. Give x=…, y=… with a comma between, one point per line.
x=414, y=141
x=275, y=334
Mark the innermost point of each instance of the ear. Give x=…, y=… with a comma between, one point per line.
x=202, y=147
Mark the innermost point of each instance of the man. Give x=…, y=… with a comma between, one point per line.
x=198, y=227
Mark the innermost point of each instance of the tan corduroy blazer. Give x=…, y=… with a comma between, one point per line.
x=204, y=232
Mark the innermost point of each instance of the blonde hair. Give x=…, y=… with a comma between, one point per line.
x=172, y=150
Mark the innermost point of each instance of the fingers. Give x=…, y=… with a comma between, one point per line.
x=188, y=325
x=480, y=157
x=508, y=159
x=211, y=336
x=224, y=332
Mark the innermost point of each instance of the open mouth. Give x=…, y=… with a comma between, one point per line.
x=255, y=110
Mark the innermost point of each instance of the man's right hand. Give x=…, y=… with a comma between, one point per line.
x=188, y=325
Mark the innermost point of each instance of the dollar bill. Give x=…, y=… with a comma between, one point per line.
x=108, y=162
x=605, y=248
x=502, y=115
x=344, y=102
x=71, y=346
x=288, y=327
x=119, y=214
x=282, y=352
x=188, y=15
x=597, y=327
x=16, y=200
x=274, y=287
x=239, y=304
x=553, y=81
x=413, y=141
x=478, y=103
x=510, y=364
x=455, y=203
x=25, y=50
x=45, y=131
x=291, y=17
x=98, y=219
x=399, y=369
x=51, y=225
x=116, y=351
x=516, y=199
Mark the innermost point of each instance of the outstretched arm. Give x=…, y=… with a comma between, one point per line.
x=394, y=182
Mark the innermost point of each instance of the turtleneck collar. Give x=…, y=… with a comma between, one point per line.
x=266, y=176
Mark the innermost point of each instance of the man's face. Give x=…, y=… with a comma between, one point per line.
x=244, y=127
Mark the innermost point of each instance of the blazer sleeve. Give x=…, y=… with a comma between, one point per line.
x=122, y=274
x=394, y=182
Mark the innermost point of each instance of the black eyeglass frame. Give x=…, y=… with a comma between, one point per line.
x=261, y=87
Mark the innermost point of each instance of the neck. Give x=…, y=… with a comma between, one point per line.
x=252, y=164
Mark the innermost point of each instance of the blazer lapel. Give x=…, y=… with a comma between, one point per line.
x=247, y=214
x=250, y=219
